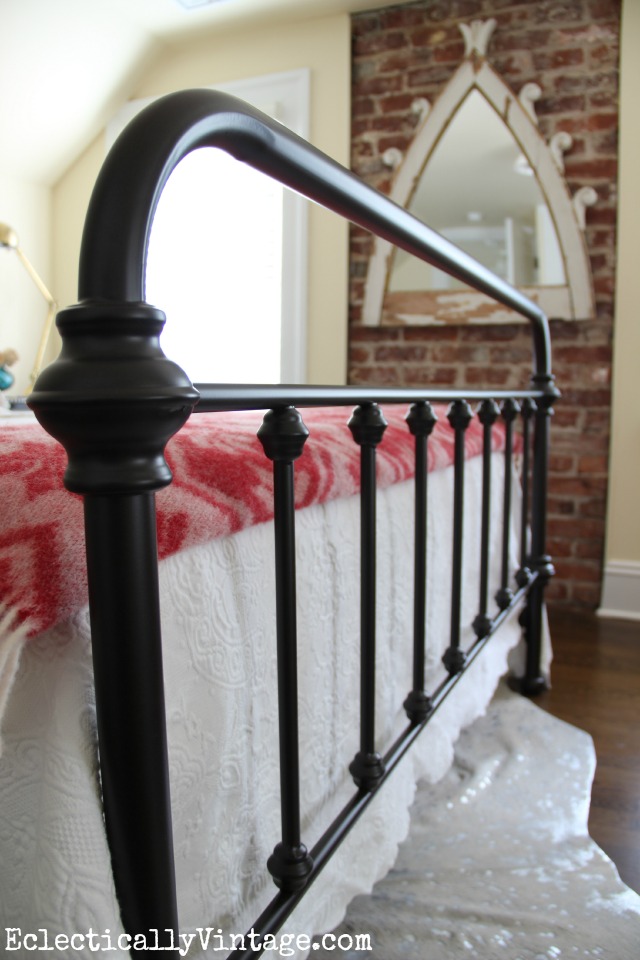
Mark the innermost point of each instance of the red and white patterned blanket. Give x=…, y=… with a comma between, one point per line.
x=222, y=484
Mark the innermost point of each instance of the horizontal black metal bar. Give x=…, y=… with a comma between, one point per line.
x=218, y=397
x=124, y=199
x=282, y=905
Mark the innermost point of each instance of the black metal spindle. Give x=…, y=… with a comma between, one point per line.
x=283, y=435
x=459, y=416
x=541, y=564
x=510, y=410
x=421, y=420
x=367, y=426
x=528, y=408
x=488, y=413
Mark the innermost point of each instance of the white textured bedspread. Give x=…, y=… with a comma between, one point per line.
x=529, y=884
x=220, y=677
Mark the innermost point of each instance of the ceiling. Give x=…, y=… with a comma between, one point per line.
x=67, y=65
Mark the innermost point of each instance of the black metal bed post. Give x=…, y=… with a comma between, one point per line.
x=114, y=432
x=283, y=435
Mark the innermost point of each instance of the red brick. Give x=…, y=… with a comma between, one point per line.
x=546, y=105
x=365, y=23
x=449, y=52
x=359, y=355
x=561, y=463
x=366, y=44
x=512, y=355
x=588, y=549
x=603, y=55
x=401, y=17
x=563, y=417
x=399, y=353
x=587, y=398
x=375, y=376
x=490, y=377
x=559, y=548
x=578, y=570
x=608, y=10
x=593, y=508
x=362, y=106
x=573, y=528
x=558, y=59
x=578, y=486
x=596, y=169
x=593, y=464
x=434, y=376
x=366, y=334
x=596, y=353
x=605, y=142
x=426, y=37
x=499, y=332
x=604, y=97
x=560, y=507
x=397, y=102
x=591, y=121
x=431, y=334
x=380, y=85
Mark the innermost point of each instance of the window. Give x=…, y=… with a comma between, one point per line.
x=227, y=255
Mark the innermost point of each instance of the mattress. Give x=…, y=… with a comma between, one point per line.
x=218, y=618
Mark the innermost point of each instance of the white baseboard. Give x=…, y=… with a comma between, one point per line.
x=621, y=590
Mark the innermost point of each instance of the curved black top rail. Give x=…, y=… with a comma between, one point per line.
x=118, y=223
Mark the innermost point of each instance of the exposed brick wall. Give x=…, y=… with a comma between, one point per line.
x=570, y=49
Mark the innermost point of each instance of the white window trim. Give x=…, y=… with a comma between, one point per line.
x=286, y=97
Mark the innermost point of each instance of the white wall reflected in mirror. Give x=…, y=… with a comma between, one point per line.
x=479, y=191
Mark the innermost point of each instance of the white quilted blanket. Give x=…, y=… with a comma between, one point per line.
x=218, y=620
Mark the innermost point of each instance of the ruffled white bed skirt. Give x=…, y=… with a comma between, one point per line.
x=528, y=883
x=220, y=677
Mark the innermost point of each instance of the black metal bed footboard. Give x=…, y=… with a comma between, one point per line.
x=113, y=400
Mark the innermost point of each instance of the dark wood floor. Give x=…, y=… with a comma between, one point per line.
x=596, y=686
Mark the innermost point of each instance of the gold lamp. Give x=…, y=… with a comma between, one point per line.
x=9, y=239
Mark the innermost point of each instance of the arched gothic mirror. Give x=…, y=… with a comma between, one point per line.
x=479, y=172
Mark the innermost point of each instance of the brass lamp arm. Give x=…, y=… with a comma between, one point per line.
x=8, y=238
x=48, y=324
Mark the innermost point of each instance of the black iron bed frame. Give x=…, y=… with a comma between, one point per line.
x=113, y=400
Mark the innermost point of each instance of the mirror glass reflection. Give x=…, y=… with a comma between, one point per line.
x=478, y=190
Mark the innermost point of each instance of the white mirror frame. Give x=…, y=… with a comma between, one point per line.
x=572, y=301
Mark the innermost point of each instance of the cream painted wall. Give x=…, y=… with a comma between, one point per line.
x=70, y=199
x=623, y=533
x=622, y=556
x=26, y=208
x=324, y=46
